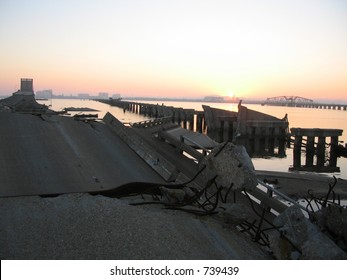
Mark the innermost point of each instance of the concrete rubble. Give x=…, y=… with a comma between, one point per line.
x=173, y=195
x=333, y=219
x=69, y=190
x=235, y=213
x=238, y=172
x=297, y=237
x=51, y=163
x=23, y=104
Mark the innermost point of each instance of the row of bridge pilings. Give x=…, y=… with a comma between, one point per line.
x=187, y=118
x=323, y=106
x=341, y=107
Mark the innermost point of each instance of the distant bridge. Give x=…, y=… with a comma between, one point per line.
x=291, y=101
x=297, y=101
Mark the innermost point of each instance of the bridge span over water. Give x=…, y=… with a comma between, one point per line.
x=297, y=101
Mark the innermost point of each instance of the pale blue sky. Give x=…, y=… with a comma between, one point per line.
x=176, y=48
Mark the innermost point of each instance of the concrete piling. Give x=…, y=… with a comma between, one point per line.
x=187, y=118
x=315, y=152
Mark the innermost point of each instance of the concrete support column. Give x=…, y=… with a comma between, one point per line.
x=199, y=122
x=257, y=140
x=333, y=157
x=184, y=121
x=309, y=151
x=297, y=151
x=271, y=140
x=191, y=122
x=321, y=151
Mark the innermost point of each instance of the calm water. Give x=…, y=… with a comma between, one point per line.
x=298, y=117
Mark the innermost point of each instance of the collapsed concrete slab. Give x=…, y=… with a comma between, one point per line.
x=45, y=155
x=232, y=165
x=333, y=219
x=235, y=214
x=297, y=237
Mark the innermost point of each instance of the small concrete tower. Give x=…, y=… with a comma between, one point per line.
x=26, y=87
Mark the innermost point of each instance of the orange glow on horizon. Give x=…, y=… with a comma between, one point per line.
x=177, y=49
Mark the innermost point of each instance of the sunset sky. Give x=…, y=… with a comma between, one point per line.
x=158, y=48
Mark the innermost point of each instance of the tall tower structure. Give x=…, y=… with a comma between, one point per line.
x=26, y=87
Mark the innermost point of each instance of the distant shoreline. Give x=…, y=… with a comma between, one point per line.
x=166, y=99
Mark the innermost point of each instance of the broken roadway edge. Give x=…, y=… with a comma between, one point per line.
x=96, y=227
x=82, y=226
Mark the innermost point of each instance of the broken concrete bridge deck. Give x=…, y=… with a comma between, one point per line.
x=42, y=155
x=47, y=155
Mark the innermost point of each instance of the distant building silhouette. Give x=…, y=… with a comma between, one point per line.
x=116, y=96
x=47, y=93
x=83, y=95
x=221, y=99
x=103, y=95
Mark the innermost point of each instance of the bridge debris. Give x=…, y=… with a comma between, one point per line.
x=141, y=147
x=321, y=236
x=174, y=196
x=221, y=182
x=22, y=104
x=232, y=165
x=260, y=133
x=306, y=138
x=297, y=237
x=333, y=220
x=80, y=109
x=235, y=214
x=85, y=117
x=215, y=181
